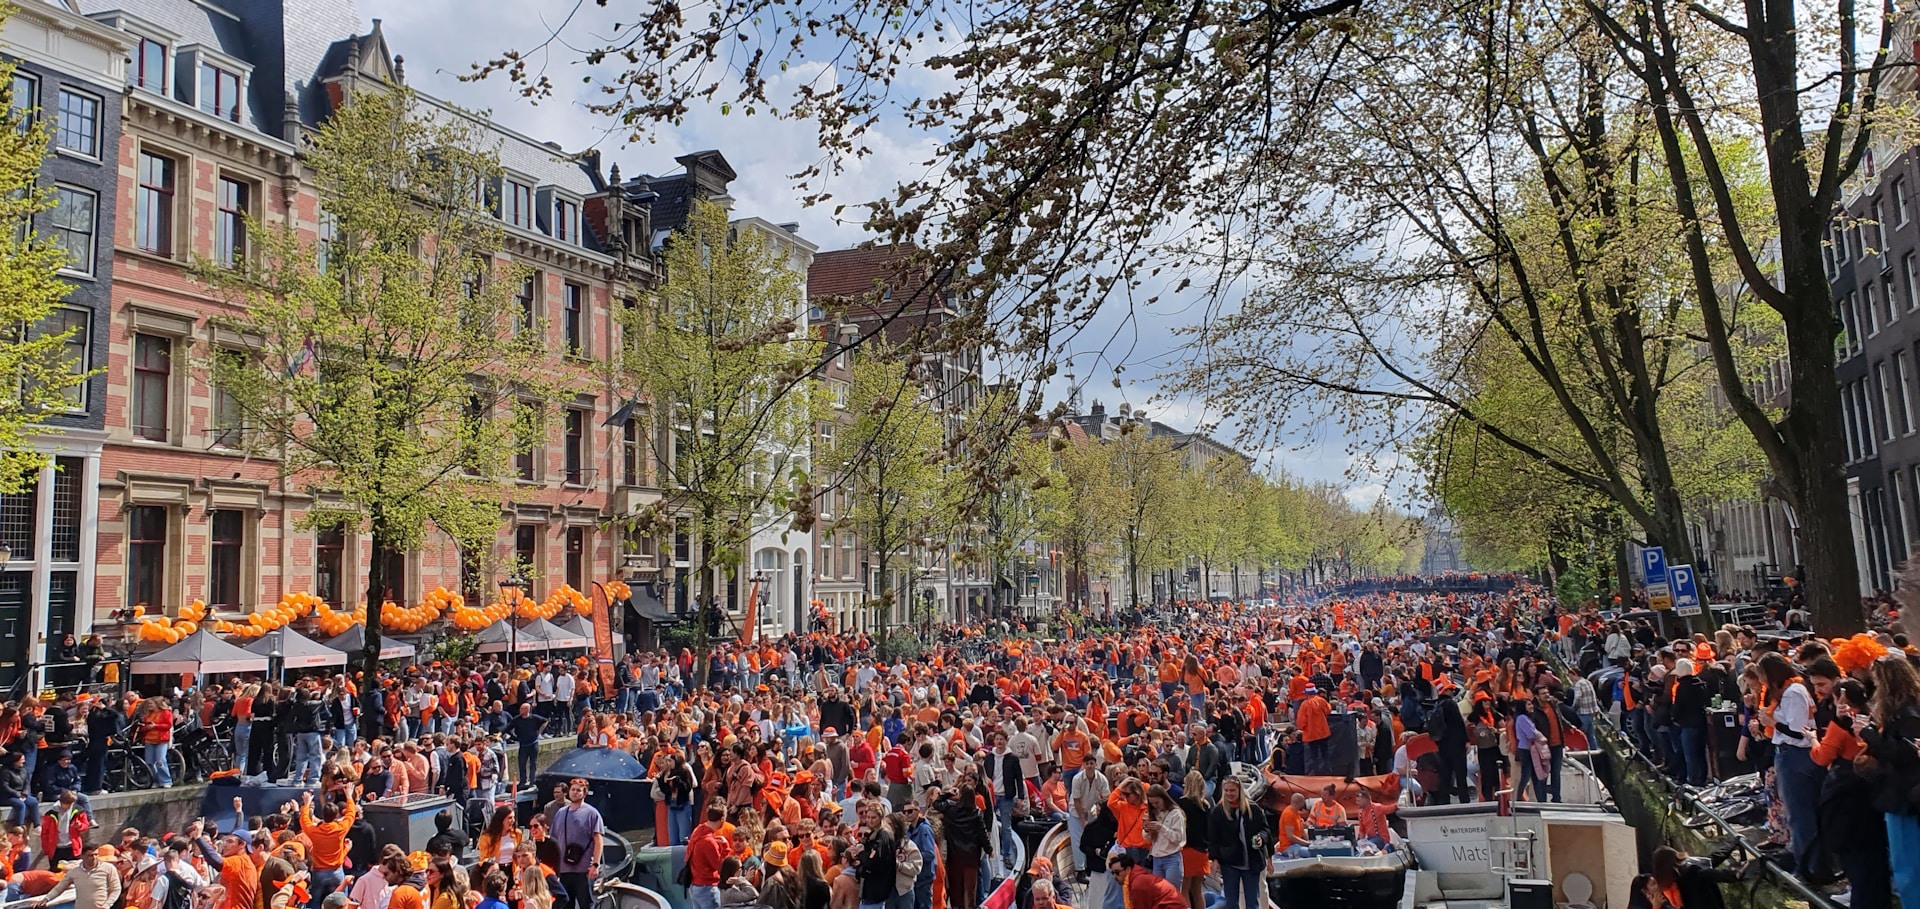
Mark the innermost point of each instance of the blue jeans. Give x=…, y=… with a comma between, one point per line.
x=26, y=810
x=1115, y=897
x=1799, y=778
x=1242, y=887
x=1074, y=829
x=242, y=733
x=156, y=756
x=704, y=897
x=1003, y=808
x=1319, y=752
x=306, y=753
x=1903, y=847
x=344, y=735
x=923, y=892
x=1168, y=866
x=1693, y=747
x=679, y=824
x=323, y=883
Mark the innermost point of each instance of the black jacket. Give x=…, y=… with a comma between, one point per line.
x=875, y=867
x=103, y=723
x=1244, y=840
x=1689, y=709
x=1097, y=839
x=965, y=826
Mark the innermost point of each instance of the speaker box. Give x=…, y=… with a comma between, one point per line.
x=1343, y=757
x=1523, y=894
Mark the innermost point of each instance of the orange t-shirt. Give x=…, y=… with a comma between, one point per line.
x=242, y=880
x=1312, y=719
x=1291, y=825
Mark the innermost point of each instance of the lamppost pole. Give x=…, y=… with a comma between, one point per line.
x=512, y=590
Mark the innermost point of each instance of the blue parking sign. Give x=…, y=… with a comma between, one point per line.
x=1653, y=563
x=1686, y=595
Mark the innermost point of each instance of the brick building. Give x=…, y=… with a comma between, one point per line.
x=69, y=72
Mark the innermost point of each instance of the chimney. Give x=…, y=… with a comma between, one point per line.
x=792, y=227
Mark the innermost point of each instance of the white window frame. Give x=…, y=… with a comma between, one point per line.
x=1900, y=201
x=1872, y=309
x=1882, y=377
x=1903, y=373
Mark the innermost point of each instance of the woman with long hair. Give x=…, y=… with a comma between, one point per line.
x=500, y=838
x=1194, y=807
x=1166, y=829
x=964, y=822
x=530, y=889
x=813, y=878
x=1861, y=849
x=1786, y=707
x=446, y=889
x=1240, y=839
x=1895, y=766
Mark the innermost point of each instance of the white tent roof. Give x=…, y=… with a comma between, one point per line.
x=202, y=654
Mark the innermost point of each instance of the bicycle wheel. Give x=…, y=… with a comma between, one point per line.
x=214, y=757
x=177, y=766
x=139, y=774
x=116, y=775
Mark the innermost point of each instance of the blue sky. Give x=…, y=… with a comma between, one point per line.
x=441, y=39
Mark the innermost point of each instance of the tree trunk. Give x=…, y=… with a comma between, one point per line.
x=703, y=606
x=376, y=600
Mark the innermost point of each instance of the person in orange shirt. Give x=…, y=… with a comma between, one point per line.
x=1293, y=827
x=1315, y=733
x=327, y=835
x=1129, y=806
x=238, y=873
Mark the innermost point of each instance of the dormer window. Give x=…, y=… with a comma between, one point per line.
x=566, y=221
x=220, y=92
x=516, y=203
x=149, y=69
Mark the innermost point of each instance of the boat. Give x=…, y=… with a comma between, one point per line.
x=1377, y=881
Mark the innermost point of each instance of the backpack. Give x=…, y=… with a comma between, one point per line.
x=907, y=862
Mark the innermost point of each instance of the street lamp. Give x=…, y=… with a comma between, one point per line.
x=512, y=591
x=277, y=661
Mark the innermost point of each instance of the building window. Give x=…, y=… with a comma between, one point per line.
x=395, y=589
x=24, y=97
x=1873, y=311
x=328, y=241
x=566, y=221
x=229, y=538
x=147, y=556
x=526, y=548
x=1903, y=374
x=1893, y=306
x=516, y=204
x=230, y=223
x=630, y=451
x=474, y=423
x=527, y=297
x=526, y=464
x=574, y=452
x=150, y=65
x=573, y=298
x=1899, y=201
x=229, y=424
x=77, y=129
x=682, y=547
x=73, y=219
x=577, y=558
x=220, y=92
x=19, y=518
x=1888, y=406
x=76, y=351
x=67, y=477
x=329, y=565
x=153, y=205
x=152, y=380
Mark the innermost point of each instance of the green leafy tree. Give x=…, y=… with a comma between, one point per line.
x=1076, y=507
x=1144, y=479
x=722, y=357
x=382, y=369
x=34, y=360
x=891, y=457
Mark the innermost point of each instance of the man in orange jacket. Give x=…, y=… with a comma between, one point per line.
x=1315, y=733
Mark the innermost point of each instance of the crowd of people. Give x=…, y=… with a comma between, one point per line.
x=1829, y=726
x=810, y=773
